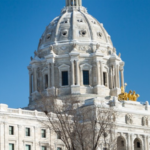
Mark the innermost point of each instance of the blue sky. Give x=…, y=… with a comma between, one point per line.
x=22, y=23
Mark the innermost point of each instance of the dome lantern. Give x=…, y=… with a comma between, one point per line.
x=73, y=3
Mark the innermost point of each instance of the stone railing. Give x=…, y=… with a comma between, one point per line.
x=4, y=108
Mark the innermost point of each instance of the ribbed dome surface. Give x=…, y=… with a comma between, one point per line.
x=74, y=25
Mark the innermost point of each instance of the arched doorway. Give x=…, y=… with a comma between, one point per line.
x=137, y=144
x=121, y=144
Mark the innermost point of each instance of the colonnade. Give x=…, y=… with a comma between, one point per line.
x=131, y=141
x=112, y=75
x=73, y=2
x=33, y=78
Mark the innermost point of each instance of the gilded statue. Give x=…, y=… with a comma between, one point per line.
x=131, y=96
x=123, y=95
x=135, y=96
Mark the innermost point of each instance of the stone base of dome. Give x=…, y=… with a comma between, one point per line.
x=101, y=90
x=75, y=89
x=115, y=92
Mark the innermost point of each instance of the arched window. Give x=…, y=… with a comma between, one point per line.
x=137, y=144
x=121, y=143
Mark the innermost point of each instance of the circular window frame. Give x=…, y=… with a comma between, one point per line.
x=99, y=34
x=83, y=32
x=64, y=33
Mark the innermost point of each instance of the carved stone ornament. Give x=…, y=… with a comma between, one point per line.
x=129, y=119
x=51, y=47
x=74, y=45
x=97, y=46
x=145, y=121
x=83, y=32
x=35, y=53
x=114, y=50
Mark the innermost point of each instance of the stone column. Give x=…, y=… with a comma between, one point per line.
x=116, y=76
x=101, y=72
x=128, y=144
x=77, y=72
x=81, y=75
x=2, y=133
x=148, y=143
x=122, y=78
x=49, y=76
x=145, y=143
x=90, y=76
x=52, y=75
x=20, y=143
x=72, y=70
x=98, y=73
x=35, y=79
x=77, y=3
x=6, y=129
x=73, y=2
x=110, y=78
x=30, y=84
x=132, y=142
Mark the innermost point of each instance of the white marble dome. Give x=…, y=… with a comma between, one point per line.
x=75, y=56
x=74, y=25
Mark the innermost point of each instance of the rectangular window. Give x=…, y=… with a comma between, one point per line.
x=46, y=81
x=27, y=131
x=11, y=130
x=58, y=135
x=105, y=78
x=43, y=132
x=11, y=146
x=64, y=78
x=28, y=147
x=44, y=148
x=86, y=77
x=59, y=148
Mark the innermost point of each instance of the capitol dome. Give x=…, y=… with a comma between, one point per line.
x=74, y=25
x=75, y=56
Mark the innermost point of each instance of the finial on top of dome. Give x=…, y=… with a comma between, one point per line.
x=73, y=2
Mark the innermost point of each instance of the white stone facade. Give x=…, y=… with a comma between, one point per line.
x=75, y=56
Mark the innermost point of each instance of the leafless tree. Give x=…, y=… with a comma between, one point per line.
x=81, y=127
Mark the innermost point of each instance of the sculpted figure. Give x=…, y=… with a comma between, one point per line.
x=123, y=95
x=135, y=96
x=31, y=58
x=97, y=46
x=35, y=53
x=128, y=119
x=145, y=121
x=130, y=95
x=74, y=45
x=51, y=47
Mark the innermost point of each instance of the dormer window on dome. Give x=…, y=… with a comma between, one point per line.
x=73, y=2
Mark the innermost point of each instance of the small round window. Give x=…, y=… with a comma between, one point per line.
x=48, y=36
x=83, y=32
x=64, y=33
x=99, y=34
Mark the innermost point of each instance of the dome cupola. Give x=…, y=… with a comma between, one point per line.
x=73, y=2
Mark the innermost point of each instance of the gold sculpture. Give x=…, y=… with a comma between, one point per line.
x=131, y=96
